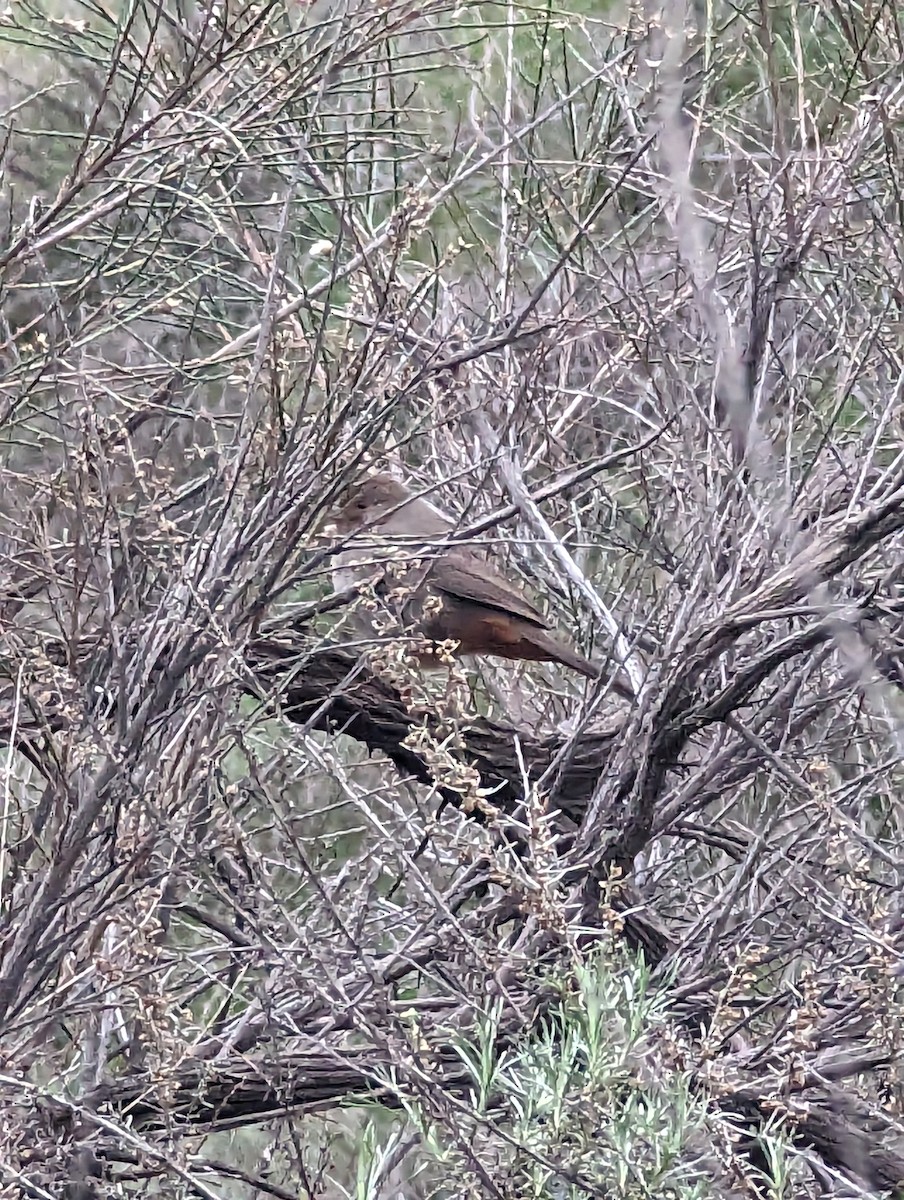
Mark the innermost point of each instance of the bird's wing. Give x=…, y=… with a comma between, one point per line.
x=468, y=576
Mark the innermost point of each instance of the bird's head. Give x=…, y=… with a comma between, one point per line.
x=365, y=503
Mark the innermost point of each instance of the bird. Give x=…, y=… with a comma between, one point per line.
x=453, y=599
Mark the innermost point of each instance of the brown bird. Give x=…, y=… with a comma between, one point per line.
x=453, y=595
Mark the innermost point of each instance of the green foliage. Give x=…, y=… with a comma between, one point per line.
x=586, y=1102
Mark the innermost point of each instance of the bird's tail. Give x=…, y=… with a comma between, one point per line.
x=570, y=658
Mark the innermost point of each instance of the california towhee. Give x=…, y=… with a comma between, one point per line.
x=452, y=594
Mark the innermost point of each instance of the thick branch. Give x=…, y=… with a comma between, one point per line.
x=241, y=1092
x=325, y=693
